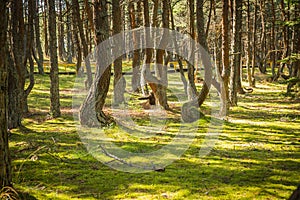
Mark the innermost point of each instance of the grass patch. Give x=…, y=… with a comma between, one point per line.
x=256, y=156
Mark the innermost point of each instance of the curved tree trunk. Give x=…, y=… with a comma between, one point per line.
x=191, y=87
x=157, y=86
x=91, y=112
x=29, y=53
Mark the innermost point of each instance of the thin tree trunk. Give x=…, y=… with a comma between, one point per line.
x=263, y=53
x=285, y=32
x=136, y=53
x=119, y=80
x=254, y=45
x=162, y=72
x=69, y=38
x=212, y=2
x=249, y=76
x=84, y=44
x=237, y=50
x=191, y=88
x=225, y=54
x=54, y=87
x=61, y=33
x=38, y=43
x=29, y=52
x=46, y=41
x=273, y=40
x=202, y=41
x=183, y=79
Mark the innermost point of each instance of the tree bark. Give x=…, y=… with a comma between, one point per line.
x=54, y=87
x=38, y=43
x=161, y=93
x=155, y=84
x=5, y=161
x=191, y=88
x=61, y=33
x=202, y=41
x=225, y=54
x=179, y=60
x=135, y=80
x=29, y=53
x=119, y=80
x=79, y=24
x=69, y=37
x=237, y=50
x=273, y=40
x=91, y=112
x=252, y=84
x=18, y=71
x=45, y=22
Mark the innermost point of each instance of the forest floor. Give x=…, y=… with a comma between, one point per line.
x=256, y=155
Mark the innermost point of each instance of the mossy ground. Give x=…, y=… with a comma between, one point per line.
x=256, y=157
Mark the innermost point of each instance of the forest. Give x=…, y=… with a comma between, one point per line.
x=158, y=99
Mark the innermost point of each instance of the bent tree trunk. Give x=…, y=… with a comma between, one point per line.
x=91, y=112
x=5, y=163
x=189, y=111
x=158, y=86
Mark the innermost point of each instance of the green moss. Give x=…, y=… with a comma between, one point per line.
x=256, y=156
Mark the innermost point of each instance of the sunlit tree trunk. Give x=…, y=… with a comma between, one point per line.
x=45, y=22
x=225, y=53
x=161, y=93
x=249, y=75
x=61, y=33
x=202, y=41
x=252, y=84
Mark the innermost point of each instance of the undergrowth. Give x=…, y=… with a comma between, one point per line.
x=256, y=155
